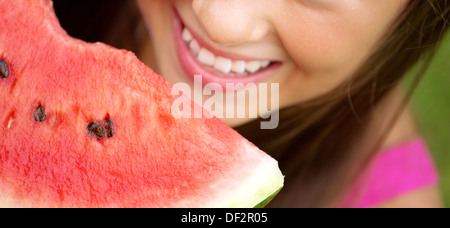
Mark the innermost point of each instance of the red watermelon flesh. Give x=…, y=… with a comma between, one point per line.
x=58, y=85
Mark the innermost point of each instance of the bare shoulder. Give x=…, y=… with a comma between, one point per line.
x=403, y=130
x=422, y=198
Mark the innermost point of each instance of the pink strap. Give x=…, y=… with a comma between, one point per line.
x=394, y=172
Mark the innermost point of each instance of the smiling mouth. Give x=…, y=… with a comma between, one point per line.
x=199, y=58
x=224, y=65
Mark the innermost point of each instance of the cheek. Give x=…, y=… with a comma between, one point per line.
x=335, y=42
x=324, y=47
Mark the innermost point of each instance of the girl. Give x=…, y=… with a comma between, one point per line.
x=345, y=136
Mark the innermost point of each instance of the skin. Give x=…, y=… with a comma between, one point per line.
x=404, y=130
x=320, y=43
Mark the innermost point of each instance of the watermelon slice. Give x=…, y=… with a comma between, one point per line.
x=87, y=125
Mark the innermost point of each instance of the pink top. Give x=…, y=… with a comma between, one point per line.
x=394, y=172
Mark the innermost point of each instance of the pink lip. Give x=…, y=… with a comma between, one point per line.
x=192, y=67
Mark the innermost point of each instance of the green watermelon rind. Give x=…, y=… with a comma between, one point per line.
x=267, y=200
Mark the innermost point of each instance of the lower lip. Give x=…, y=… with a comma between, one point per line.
x=192, y=67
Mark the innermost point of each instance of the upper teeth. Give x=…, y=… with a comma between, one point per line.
x=219, y=63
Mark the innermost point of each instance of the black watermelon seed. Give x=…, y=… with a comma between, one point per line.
x=109, y=126
x=39, y=114
x=95, y=129
x=4, y=69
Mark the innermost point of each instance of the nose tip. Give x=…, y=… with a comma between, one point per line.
x=230, y=21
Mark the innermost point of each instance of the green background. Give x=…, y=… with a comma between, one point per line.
x=431, y=106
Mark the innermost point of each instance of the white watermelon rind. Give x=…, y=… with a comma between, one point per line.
x=256, y=190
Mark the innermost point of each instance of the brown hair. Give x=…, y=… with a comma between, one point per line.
x=312, y=140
